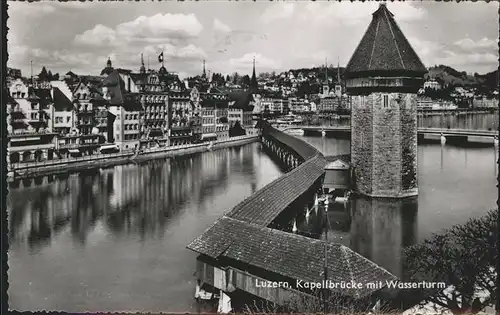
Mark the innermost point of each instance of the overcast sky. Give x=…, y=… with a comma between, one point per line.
x=281, y=35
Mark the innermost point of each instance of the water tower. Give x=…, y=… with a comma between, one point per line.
x=382, y=79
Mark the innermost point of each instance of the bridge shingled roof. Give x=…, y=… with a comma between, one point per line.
x=242, y=233
x=266, y=204
x=384, y=48
x=289, y=255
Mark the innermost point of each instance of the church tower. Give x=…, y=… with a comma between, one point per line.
x=254, y=87
x=204, y=74
x=108, y=69
x=338, y=86
x=326, y=88
x=142, y=70
x=382, y=79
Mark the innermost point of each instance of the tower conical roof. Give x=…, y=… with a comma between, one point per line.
x=384, y=50
x=253, y=81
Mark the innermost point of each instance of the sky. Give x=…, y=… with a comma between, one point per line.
x=80, y=36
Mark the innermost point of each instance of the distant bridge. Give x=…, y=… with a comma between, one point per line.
x=435, y=131
x=482, y=137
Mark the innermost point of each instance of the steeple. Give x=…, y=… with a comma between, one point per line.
x=326, y=71
x=326, y=87
x=338, y=86
x=204, y=75
x=253, y=81
x=108, y=69
x=143, y=68
x=338, y=71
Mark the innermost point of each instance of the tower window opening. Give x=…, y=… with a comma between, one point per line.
x=386, y=101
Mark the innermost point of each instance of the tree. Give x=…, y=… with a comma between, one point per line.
x=236, y=130
x=464, y=258
x=43, y=74
x=313, y=302
x=228, y=79
x=236, y=78
x=304, y=89
x=245, y=80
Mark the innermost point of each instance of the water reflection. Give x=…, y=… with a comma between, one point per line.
x=131, y=198
x=382, y=228
x=455, y=183
x=114, y=239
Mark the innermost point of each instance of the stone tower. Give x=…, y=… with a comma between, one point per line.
x=326, y=88
x=382, y=79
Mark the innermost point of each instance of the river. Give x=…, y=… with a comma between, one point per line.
x=114, y=240
x=460, y=120
x=455, y=183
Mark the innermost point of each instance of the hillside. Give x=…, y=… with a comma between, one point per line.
x=489, y=79
x=445, y=75
x=448, y=76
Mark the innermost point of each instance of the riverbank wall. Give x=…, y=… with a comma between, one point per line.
x=92, y=162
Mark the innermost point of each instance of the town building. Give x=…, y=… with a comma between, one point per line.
x=29, y=121
x=432, y=84
x=243, y=101
x=14, y=73
x=214, y=107
x=86, y=100
x=383, y=77
x=126, y=109
x=328, y=103
x=266, y=104
x=297, y=105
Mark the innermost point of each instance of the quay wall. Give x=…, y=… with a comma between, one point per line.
x=80, y=164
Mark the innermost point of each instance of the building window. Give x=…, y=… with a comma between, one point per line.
x=386, y=101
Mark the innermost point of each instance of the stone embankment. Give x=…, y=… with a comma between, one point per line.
x=84, y=163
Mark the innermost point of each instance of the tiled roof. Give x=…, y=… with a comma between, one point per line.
x=384, y=48
x=242, y=233
x=139, y=78
x=43, y=94
x=61, y=101
x=302, y=148
x=113, y=83
x=93, y=79
x=211, y=99
x=266, y=204
x=242, y=99
x=107, y=70
x=289, y=255
x=131, y=102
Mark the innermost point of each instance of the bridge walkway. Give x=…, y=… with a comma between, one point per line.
x=241, y=238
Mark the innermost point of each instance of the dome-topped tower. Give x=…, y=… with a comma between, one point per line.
x=108, y=69
x=163, y=70
x=382, y=78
